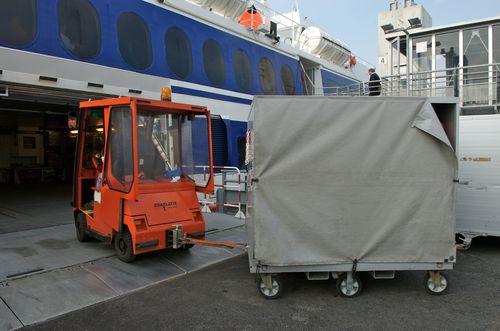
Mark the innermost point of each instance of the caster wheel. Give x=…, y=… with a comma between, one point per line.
x=270, y=292
x=81, y=228
x=436, y=282
x=464, y=242
x=349, y=291
x=124, y=246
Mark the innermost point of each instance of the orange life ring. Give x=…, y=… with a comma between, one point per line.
x=352, y=61
x=251, y=18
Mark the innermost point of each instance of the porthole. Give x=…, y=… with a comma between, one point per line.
x=79, y=28
x=287, y=80
x=214, y=62
x=18, y=23
x=242, y=70
x=134, y=40
x=179, y=52
x=267, y=76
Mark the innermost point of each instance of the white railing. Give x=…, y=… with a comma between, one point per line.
x=290, y=21
x=211, y=200
x=475, y=86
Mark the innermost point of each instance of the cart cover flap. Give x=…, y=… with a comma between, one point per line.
x=350, y=179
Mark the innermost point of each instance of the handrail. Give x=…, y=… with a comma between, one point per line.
x=476, y=85
x=270, y=13
x=208, y=200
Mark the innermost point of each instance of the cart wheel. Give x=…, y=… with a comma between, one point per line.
x=81, y=228
x=124, y=247
x=436, y=286
x=464, y=241
x=349, y=291
x=273, y=292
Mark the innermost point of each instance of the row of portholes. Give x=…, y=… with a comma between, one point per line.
x=80, y=33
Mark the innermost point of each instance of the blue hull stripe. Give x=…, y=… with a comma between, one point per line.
x=209, y=95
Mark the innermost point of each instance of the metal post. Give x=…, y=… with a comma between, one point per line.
x=461, y=88
x=490, y=67
x=206, y=208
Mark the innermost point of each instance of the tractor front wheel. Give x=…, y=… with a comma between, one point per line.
x=186, y=247
x=81, y=228
x=124, y=247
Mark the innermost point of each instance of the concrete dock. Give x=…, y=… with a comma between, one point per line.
x=46, y=272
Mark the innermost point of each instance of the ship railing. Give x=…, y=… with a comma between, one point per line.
x=476, y=86
x=297, y=27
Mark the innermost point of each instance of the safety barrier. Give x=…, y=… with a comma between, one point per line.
x=211, y=200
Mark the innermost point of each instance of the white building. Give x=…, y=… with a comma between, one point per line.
x=461, y=59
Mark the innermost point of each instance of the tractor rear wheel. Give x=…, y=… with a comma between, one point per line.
x=124, y=248
x=81, y=228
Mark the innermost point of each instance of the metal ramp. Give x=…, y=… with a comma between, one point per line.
x=65, y=275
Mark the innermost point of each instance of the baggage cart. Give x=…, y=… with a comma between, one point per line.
x=342, y=185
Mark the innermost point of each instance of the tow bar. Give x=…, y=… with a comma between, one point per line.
x=180, y=239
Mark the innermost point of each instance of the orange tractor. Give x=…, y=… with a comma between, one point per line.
x=139, y=165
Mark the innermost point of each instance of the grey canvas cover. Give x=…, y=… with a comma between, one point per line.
x=343, y=179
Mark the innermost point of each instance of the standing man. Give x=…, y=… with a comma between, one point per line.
x=375, y=85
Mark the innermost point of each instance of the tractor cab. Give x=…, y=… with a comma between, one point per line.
x=138, y=168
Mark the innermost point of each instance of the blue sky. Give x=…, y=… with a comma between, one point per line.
x=355, y=21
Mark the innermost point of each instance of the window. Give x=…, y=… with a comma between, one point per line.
x=422, y=54
x=476, y=50
x=447, y=57
x=18, y=22
x=195, y=149
x=93, y=143
x=242, y=70
x=172, y=147
x=119, y=157
x=267, y=76
x=447, y=51
x=421, y=65
x=496, y=59
x=496, y=45
x=214, y=62
x=79, y=28
x=475, y=46
x=134, y=40
x=159, y=146
x=179, y=52
x=398, y=55
x=287, y=80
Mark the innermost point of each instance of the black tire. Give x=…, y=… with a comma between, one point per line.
x=342, y=286
x=432, y=288
x=275, y=292
x=124, y=248
x=186, y=247
x=81, y=228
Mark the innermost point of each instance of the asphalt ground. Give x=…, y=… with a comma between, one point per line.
x=225, y=296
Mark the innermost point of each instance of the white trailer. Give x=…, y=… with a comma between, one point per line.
x=478, y=193
x=340, y=185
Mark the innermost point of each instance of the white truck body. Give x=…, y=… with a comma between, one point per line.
x=478, y=194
